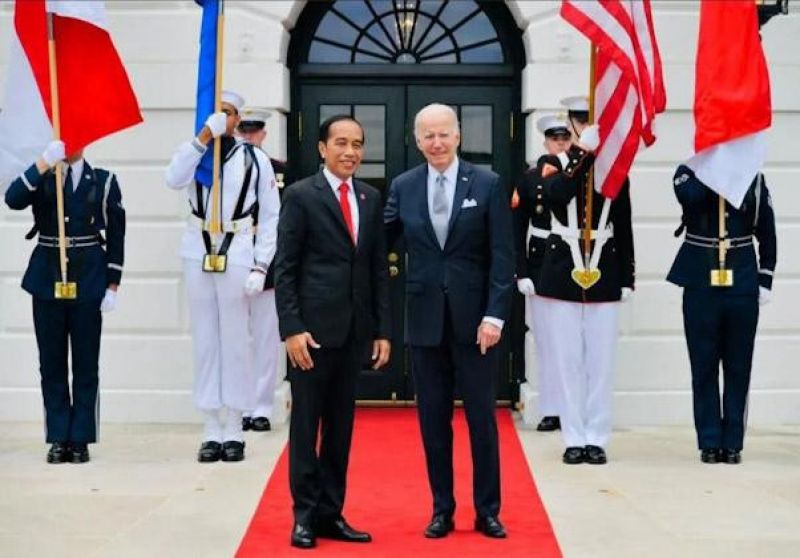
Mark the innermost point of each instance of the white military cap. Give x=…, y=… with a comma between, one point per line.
x=253, y=115
x=551, y=124
x=578, y=103
x=233, y=98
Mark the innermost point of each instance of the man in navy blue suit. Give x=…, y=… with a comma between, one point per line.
x=456, y=221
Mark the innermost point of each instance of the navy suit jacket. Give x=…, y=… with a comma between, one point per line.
x=473, y=275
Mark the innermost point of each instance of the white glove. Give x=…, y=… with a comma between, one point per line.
x=217, y=123
x=764, y=296
x=590, y=137
x=53, y=153
x=525, y=287
x=626, y=295
x=109, y=301
x=254, y=283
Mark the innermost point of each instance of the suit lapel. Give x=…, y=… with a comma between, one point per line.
x=329, y=200
x=463, y=183
x=80, y=183
x=424, y=209
x=363, y=212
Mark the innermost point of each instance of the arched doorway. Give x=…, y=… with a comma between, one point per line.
x=383, y=60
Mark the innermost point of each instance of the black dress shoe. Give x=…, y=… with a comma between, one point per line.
x=440, y=526
x=595, y=455
x=574, y=455
x=232, y=451
x=549, y=424
x=58, y=453
x=709, y=455
x=260, y=424
x=79, y=452
x=303, y=536
x=730, y=456
x=490, y=526
x=339, y=530
x=209, y=452
x=247, y=423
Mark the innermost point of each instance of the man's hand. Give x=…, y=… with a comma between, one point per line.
x=525, y=287
x=381, y=350
x=217, y=123
x=109, y=301
x=626, y=294
x=297, y=349
x=53, y=153
x=488, y=336
x=255, y=282
x=590, y=138
x=764, y=296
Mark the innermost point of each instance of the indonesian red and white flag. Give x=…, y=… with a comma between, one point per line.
x=95, y=95
x=629, y=85
x=732, y=102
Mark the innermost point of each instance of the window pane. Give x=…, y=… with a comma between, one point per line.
x=336, y=29
x=477, y=29
x=436, y=32
x=363, y=58
x=327, y=54
x=455, y=12
x=371, y=170
x=326, y=111
x=355, y=10
x=373, y=119
x=476, y=130
x=487, y=54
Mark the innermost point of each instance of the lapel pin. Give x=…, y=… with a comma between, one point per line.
x=464, y=178
x=363, y=197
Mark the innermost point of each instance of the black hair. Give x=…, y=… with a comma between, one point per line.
x=247, y=126
x=579, y=116
x=325, y=127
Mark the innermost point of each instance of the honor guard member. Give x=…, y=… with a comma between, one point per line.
x=224, y=385
x=92, y=204
x=720, y=314
x=580, y=290
x=264, y=335
x=531, y=215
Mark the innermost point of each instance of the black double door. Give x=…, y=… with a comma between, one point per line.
x=387, y=114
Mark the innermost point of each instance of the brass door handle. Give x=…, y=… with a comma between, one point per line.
x=394, y=271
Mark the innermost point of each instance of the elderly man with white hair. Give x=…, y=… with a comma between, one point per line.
x=456, y=221
x=221, y=268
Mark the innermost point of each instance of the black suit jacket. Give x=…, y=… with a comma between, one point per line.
x=474, y=273
x=323, y=284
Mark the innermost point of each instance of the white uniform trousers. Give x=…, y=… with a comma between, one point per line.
x=266, y=345
x=583, y=343
x=220, y=316
x=546, y=380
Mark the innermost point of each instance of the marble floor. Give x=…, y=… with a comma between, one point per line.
x=143, y=495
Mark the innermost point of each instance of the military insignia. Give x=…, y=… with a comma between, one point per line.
x=464, y=178
x=681, y=179
x=539, y=209
x=548, y=170
x=515, y=199
x=586, y=277
x=363, y=197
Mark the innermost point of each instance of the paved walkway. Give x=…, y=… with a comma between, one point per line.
x=143, y=495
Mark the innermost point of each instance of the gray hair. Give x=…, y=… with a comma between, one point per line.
x=432, y=109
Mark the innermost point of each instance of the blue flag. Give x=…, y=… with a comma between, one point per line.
x=206, y=83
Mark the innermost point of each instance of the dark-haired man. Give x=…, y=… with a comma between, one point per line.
x=331, y=287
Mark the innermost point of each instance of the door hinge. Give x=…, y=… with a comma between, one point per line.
x=300, y=126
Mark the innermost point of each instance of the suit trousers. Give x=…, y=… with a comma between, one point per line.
x=583, y=344
x=536, y=318
x=720, y=328
x=321, y=428
x=220, y=316
x=61, y=327
x=266, y=344
x=436, y=372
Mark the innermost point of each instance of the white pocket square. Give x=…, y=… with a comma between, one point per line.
x=469, y=203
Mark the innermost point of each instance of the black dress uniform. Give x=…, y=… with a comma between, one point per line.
x=616, y=263
x=92, y=204
x=720, y=322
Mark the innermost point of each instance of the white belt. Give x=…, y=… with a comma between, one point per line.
x=539, y=232
x=243, y=225
x=577, y=234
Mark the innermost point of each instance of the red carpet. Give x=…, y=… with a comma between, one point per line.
x=388, y=496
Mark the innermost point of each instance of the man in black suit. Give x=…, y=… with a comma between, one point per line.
x=331, y=287
x=456, y=221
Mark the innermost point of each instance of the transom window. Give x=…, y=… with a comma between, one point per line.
x=405, y=32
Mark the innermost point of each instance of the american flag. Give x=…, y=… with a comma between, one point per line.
x=629, y=87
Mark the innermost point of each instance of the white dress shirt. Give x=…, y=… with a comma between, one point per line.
x=334, y=182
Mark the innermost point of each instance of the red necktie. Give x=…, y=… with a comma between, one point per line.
x=344, y=203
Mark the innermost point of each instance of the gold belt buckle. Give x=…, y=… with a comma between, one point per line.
x=722, y=278
x=66, y=291
x=215, y=263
